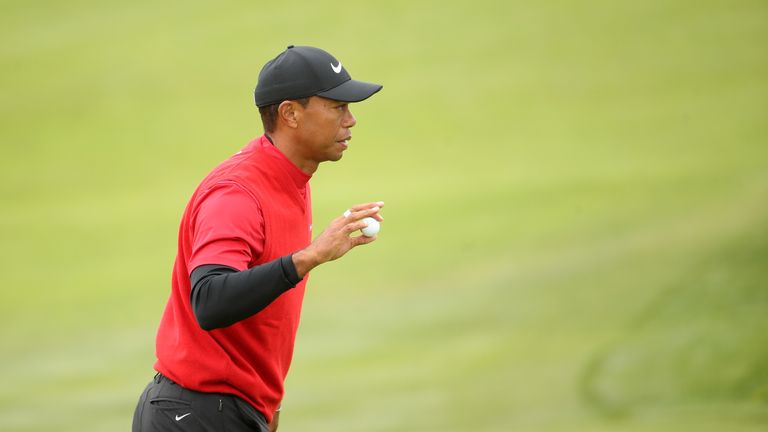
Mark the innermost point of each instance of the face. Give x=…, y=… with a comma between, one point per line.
x=324, y=126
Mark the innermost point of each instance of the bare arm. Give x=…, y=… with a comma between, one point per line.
x=222, y=295
x=336, y=239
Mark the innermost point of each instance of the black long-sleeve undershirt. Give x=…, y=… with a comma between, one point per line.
x=222, y=295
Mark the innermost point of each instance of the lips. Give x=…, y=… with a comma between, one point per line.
x=345, y=141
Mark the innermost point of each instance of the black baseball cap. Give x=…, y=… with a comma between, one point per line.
x=303, y=71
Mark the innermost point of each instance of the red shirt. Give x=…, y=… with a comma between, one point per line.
x=253, y=208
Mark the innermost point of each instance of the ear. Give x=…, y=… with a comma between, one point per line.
x=289, y=112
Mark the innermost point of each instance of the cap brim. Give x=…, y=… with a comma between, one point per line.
x=351, y=91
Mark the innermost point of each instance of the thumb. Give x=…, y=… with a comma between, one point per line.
x=361, y=240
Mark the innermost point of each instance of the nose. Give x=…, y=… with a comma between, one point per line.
x=349, y=119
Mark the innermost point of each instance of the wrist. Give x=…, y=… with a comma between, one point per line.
x=304, y=261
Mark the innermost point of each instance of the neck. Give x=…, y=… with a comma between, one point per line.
x=288, y=147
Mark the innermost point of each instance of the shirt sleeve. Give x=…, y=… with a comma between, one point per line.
x=222, y=296
x=228, y=228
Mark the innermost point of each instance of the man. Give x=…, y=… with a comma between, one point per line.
x=226, y=338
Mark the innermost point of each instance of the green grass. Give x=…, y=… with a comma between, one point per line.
x=575, y=234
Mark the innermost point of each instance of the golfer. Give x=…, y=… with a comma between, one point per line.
x=245, y=249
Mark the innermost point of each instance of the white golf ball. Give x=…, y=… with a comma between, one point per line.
x=373, y=227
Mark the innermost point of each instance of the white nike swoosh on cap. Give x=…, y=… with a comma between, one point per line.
x=336, y=69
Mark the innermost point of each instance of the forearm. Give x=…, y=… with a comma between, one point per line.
x=222, y=296
x=335, y=240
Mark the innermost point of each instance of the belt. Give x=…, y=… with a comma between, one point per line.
x=160, y=377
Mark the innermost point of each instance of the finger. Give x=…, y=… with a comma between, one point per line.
x=369, y=212
x=352, y=227
x=361, y=240
x=360, y=207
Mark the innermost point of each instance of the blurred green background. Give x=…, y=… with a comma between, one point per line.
x=576, y=229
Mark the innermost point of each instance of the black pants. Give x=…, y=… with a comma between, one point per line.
x=166, y=406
